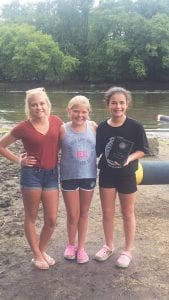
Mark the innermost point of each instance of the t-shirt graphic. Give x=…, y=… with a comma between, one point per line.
x=117, y=151
x=81, y=151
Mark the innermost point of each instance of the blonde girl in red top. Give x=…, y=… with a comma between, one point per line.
x=38, y=171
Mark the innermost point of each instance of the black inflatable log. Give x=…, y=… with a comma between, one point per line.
x=163, y=118
x=153, y=172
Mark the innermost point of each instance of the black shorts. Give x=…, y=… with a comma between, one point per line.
x=125, y=184
x=87, y=184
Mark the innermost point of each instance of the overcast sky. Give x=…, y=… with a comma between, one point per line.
x=2, y=2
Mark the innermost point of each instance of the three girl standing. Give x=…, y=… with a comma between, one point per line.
x=120, y=141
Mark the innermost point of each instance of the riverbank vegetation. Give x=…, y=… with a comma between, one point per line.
x=59, y=40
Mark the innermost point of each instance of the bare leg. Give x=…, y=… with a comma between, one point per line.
x=85, y=201
x=71, y=199
x=127, y=202
x=50, y=207
x=31, y=200
x=108, y=197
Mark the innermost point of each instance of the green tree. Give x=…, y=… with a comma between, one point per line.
x=159, y=50
x=117, y=40
x=152, y=7
x=26, y=54
x=65, y=20
x=124, y=47
x=72, y=31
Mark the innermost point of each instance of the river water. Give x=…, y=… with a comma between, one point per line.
x=146, y=105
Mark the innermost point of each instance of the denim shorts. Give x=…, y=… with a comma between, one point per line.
x=87, y=184
x=38, y=178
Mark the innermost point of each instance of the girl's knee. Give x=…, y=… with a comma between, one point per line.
x=30, y=218
x=73, y=221
x=50, y=223
x=107, y=215
x=84, y=214
x=73, y=218
x=128, y=215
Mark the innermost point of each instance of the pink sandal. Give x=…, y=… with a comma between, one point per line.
x=124, y=260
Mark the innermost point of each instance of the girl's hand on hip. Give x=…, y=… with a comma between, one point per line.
x=27, y=160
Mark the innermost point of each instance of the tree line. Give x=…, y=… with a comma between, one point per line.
x=59, y=40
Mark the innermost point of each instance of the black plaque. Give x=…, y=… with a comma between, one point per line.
x=117, y=151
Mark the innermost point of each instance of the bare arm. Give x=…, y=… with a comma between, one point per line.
x=6, y=141
x=94, y=125
x=24, y=159
x=134, y=156
x=62, y=132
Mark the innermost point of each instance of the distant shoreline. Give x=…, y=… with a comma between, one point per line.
x=70, y=85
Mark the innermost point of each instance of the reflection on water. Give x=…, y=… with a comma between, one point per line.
x=145, y=106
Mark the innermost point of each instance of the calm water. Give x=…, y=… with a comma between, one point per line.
x=145, y=107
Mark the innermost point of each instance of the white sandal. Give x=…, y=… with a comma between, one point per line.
x=40, y=264
x=124, y=260
x=49, y=259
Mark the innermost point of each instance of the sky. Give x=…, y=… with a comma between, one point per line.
x=2, y=2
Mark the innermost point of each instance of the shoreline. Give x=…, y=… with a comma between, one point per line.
x=81, y=85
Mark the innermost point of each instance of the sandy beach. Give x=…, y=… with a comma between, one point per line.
x=146, y=278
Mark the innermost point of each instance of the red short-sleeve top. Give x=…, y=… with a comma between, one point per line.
x=44, y=147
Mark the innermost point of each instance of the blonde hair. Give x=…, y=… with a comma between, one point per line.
x=79, y=100
x=29, y=96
